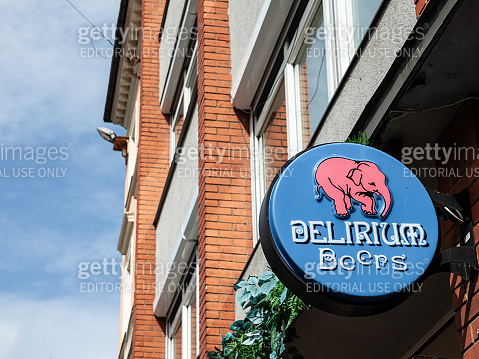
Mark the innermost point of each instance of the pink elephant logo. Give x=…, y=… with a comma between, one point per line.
x=342, y=179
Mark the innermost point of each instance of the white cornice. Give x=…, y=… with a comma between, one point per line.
x=126, y=231
x=126, y=80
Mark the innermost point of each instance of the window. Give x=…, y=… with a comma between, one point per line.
x=175, y=334
x=193, y=326
x=132, y=145
x=359, y=16
x=311, y=81
x=309, y=64
x=177, y=339
x=127, y=288
x=319, y=59
x=183, y=322
x=273, y=139
x=186, y=93
x=346, y=22
x=176, y=124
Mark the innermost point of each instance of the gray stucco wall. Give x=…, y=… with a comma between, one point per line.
x=369, y=72
x=168, y=38
x=360, y=86
x=243, y=15
x=256, y=267
x=179, y=198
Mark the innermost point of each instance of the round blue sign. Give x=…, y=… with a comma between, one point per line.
x=348, y=224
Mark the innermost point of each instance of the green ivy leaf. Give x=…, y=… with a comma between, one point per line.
x=267, y=325
x=283, y=296
x=255, y=332
x=268, y=286
x=255, y=316
x=241, y=283
x=252, y=339
x=248, y=341
x=238, y=325
x=277, y=344
x=242, y=296
x=253, y=290
x=266, y=276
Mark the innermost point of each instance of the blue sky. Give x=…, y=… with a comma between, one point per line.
x=51, y=97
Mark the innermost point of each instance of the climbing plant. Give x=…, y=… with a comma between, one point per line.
x=267, y=326
x=360, y=138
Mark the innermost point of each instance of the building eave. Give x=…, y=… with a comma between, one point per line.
x=115, y=61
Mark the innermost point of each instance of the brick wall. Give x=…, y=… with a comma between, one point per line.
x=225, y=231
x=420, y=6
x=148, y=332
x=463, y=131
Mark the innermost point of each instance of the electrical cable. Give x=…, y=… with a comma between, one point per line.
x=91, y=23
x=317, y=81
x=96, y=50
x=405, y=112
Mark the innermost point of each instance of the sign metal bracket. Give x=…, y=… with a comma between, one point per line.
x=460, y=260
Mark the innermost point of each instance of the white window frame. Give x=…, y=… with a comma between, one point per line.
x=333, y=12
x=191, y=292
x=191, y=75
x=184, y=100
x=338, y=18
x=179, y=111
x=170, y=338
x=257, y=159
x=133, y=142
x=127, y=291
x=293, y=69
x=183, y=316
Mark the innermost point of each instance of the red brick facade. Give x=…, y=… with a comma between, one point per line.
x=225, y=234
x=225, y=228
x=153, y=154
x=420, y=6
x=463, y=131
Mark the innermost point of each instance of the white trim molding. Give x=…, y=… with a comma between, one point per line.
x=183, y=251
x=126, y=232
x=257, y=55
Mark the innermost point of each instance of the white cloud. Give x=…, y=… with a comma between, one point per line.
x=10, y=333
x=74, y=328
